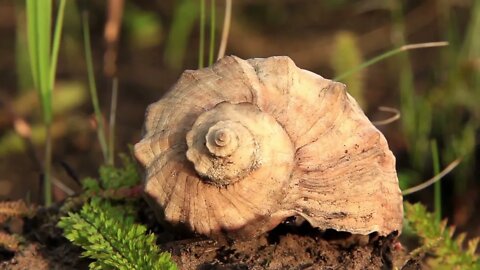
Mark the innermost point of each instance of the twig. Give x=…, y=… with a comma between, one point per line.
x=70, y=172
x=111, y=34
x=434, y=179
x=63, y=187
x=226, y=29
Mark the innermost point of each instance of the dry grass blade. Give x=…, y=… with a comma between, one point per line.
x=395, y=117
x=226, y=29
x=390, y=54
x=424, y=45
x=434, y=179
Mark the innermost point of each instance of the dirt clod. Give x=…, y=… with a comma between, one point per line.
x=290, y=250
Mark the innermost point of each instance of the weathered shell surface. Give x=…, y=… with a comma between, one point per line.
x=238, y=147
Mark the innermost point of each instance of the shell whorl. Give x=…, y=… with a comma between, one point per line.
x=230, y=141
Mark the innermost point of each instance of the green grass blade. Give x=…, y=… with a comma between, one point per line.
x=368, y=63
x=471, y=47
x=201, y=45
x=93, y=87
x=212, y=32
x=32, y=41
x=56, y=41
x=437, y=186
x=39, y=33
x=44, y=12
x=184, y=18
x=113, y=112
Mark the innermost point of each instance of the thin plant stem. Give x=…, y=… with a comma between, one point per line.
x=201, y=46
x=113, y=111
x=226, y=29
x=437, y=186
x=47, y=166
x=93, y=88
x=432, y=180
x=212, y=33
x=390, y=54
x=43, y=50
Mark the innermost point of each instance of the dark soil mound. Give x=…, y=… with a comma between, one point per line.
x=287, y=247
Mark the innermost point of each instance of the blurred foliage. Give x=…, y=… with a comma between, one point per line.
x=446, y=112
x=68, y=96
x=185, y=15
x=144, y=28
x=416, y=111
x=457, y=113
x=437, y=239
x=347, y=56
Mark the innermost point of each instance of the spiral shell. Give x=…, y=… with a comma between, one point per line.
x=236, y=148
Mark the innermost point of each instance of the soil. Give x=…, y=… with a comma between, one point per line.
x=289, y=246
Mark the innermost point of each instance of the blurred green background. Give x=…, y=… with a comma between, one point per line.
x=437, y=90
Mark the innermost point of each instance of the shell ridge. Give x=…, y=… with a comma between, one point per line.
x=242, y=77
x=159, y=174
x=217, y=212
x=205, y=226
x=172, y=205
x=234, y=206
x=324, y=93
x=327, y=130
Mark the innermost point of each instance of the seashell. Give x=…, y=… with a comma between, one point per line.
x=237, y=148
